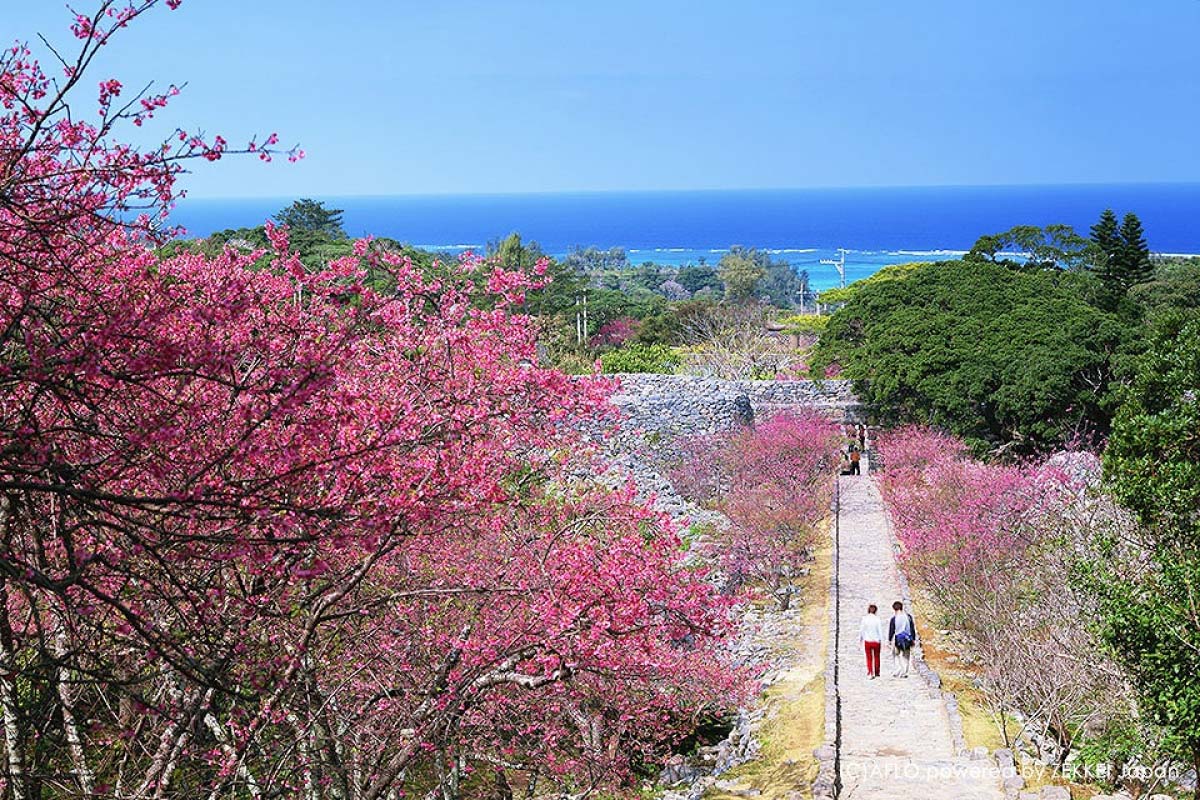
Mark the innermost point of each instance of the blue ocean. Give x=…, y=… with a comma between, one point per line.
x=875, y=226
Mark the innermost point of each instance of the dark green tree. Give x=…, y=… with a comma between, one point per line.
x=1135, y=253
x=1120, y=256
x=1010, y=359
x=311, y=216
x=1055, y=246
x=695, y=278
x=1147, y=591
x=1105, y=233
x=1106, y=249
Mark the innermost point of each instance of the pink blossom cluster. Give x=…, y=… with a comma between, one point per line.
x=959, y=518
x=71, y=164
x=774, y=482
x=615, y=332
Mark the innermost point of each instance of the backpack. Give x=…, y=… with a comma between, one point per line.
x=905, y=638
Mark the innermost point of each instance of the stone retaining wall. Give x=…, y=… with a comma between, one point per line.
x=656, y=410
x=661, y=406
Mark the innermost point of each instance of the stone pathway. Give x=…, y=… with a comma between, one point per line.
x=896, y=735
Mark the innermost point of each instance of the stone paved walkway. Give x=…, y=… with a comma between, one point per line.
x=896, y=739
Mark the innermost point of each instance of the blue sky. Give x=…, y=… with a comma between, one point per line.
x=392, y=96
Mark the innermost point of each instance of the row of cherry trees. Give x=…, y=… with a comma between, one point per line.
x=1001, y=548
x=774, y=483
x=271, y=533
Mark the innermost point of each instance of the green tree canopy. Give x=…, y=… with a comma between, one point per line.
x=1005, y=357
x=311, y=216
x=747, y=273
x=1052, y=247
x=1147, y=597
x=695, y=278
x=741, y=273
x=843, y=294
x=1174, y=286
x=1153, y=457
x=593, y=259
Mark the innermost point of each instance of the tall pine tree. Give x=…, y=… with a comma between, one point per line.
x=1122, y=257
x=1107, y=240
x=1135, y=253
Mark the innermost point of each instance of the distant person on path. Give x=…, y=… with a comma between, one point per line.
x=870, y=632
x=855, y=456
x=902, y=635
x=862, y=437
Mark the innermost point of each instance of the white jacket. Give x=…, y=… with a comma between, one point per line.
x=870, y=629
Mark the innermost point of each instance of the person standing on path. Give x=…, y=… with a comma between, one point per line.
x=870, y=632
x=902, y=635
x=855, y=458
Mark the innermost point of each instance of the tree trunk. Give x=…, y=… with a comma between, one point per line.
x=17, y=780
x=66, y=698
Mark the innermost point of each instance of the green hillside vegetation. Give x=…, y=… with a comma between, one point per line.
x=1147, y=593
x=1000, y=356
x=1016, y=354
x=844, y=294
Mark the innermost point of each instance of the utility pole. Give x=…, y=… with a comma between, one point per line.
x=578, y=322
x=840, y=264
x=581, y=317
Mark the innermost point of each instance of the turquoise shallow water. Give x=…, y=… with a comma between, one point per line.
x=877, y=226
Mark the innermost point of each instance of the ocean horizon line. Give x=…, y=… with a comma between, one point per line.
x=943, y=251
x=537, y=193
x=904, y=222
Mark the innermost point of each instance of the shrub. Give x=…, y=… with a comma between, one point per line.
x=640, y=358
x=997, y=546
x=804, y=323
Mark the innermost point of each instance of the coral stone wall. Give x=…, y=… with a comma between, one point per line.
x=663, y=406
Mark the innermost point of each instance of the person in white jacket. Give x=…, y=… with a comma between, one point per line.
x=870, y=633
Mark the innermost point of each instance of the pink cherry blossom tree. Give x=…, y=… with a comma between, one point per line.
x=995, y=545
x=275, y=533
x=774, y=482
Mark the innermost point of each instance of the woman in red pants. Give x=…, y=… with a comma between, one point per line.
x=870, y=632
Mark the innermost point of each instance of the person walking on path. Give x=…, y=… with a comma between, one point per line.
x=855, y=457
x=902, y=635
x=870, y=632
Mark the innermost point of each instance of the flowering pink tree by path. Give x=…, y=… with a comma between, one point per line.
x=774, y=482
x=271, y=533
x=995, y=545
